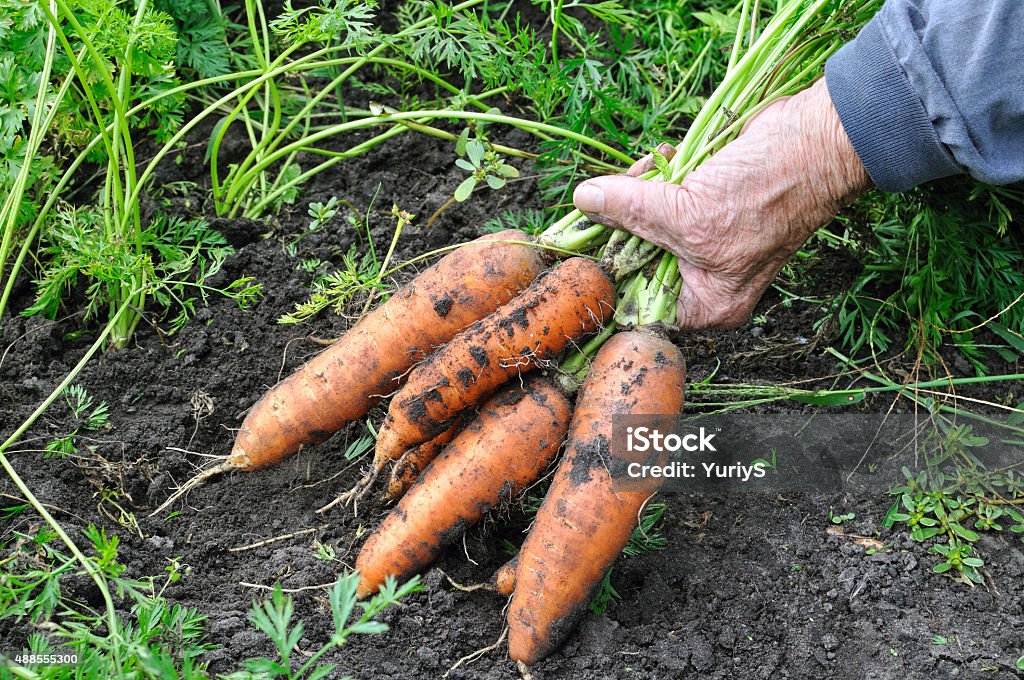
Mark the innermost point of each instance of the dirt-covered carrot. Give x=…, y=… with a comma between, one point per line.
x=371, y=360
x=583, y=522
x=568, y=302
x=505, y=448
x=367, y=363
x=409, y=467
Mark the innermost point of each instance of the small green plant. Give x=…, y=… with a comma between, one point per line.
x=359, y=447
x=361, y=269
x=155, y=639
x=320, y=214
x=357, y=274
x=954, y=497
x=483, y=165
x=956, y=556
x=768, y=464
x=605, y=594
x=529, y=220
x=323, y=551
x=646, y=537
x=839, y=518
x=87, y=417
x=274, y=618
x=172, y=259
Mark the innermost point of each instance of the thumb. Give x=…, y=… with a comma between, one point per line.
x=658, y=212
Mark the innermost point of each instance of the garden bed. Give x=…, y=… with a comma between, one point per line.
x=748, y=586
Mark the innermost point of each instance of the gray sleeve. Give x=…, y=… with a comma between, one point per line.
x=933, y=88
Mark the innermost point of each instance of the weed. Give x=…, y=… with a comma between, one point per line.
x=323, y=551
x=646, y=537
x=939, y=261
x=162, y=640
x=767, y=464
x=483, y=164
x=320, y=215
x=528, y=220
x=606, y=593
x=173, y=259
x=335, y=290
x=840, y=518
x=953, y=498
x=273, y=618
x=86, y=416
x=359, y=447
x=360, y=272
x=159, y=639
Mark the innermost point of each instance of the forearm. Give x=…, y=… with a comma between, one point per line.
x=935, y=88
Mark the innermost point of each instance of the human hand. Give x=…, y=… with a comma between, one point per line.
x=738, y=217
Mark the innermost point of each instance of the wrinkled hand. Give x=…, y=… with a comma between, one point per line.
x=737, y=218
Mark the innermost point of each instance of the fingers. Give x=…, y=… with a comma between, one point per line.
x=646, y=164
x=655, y=211
x=705, y=303
x=707, y=300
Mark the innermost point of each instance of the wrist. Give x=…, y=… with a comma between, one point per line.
x=829, y=149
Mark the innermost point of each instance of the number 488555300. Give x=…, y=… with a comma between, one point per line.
x=45, y=659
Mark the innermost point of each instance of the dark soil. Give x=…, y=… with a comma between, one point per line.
x=748, y=586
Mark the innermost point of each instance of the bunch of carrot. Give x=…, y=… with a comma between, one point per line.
x=482, y=353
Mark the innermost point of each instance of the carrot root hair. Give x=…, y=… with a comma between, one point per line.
x=355, y=494
x=198, y=480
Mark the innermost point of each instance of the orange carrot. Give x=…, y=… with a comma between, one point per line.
x=583, y=523
x=411, y=465
x=567, y=302
x=373, y=358
x=369, y=361
x=505, y=448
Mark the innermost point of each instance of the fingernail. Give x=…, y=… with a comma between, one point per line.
x=589, y=198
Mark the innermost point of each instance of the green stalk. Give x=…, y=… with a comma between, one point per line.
x=648, y=301
x=115, y=194
x=521, y=123
x=13, y=200
x=90, y=568
x=574, y=368
x=9, y=214
x=256, y=209
x=750, y=83
x=252, y=158
x=402, y=220
x=741, y=29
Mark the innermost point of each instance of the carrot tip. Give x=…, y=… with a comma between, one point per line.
x=226, y=466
